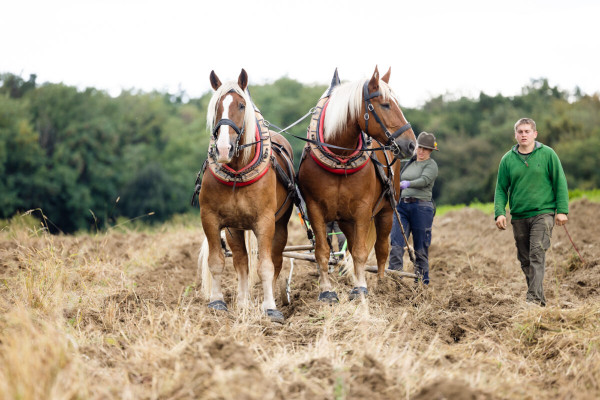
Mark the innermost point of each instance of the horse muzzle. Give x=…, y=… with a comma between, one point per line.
x=224, y=153
x=403, y=148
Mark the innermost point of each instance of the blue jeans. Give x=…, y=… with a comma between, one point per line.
x=417, y=219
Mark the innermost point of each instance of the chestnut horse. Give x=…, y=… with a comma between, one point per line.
x=243, y=191
x=355, y=197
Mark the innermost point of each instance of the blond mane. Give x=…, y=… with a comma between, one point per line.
x=345, y=104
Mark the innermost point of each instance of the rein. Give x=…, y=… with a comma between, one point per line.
x=250, y=144
x=319, y=143
x=388, y=182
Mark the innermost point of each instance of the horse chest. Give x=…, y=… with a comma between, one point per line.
x=235, y=208
x=238, y=210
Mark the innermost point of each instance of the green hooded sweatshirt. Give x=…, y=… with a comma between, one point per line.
x=532, y=184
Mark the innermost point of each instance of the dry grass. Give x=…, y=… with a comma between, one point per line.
x=120, y=315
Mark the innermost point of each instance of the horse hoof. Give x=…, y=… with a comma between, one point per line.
x=357, y=292
x=329, y=297
x=275, y=316
x=218, y=305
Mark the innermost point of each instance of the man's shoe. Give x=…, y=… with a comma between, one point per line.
x=534, y=303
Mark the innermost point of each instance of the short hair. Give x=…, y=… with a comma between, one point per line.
x=524, y=121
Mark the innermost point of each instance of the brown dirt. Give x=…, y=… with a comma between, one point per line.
x=443, y=390
x=132, y=304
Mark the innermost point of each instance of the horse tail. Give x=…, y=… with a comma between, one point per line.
x=371, y=239
x=347, y=265
x=204, y=271
x=252, y=249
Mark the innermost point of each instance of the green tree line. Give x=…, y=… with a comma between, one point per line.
x=85, y=158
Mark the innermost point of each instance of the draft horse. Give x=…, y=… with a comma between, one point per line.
x=245, y=188
x=351, y=186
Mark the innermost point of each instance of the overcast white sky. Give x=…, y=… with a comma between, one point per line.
x=433, y=47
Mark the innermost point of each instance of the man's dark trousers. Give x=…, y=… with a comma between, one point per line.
x=532, y=238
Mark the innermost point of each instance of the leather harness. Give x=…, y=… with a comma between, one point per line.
x=252, y=172
x=263, y=159
x=325, y=158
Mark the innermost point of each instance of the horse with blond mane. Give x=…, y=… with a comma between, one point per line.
x=250, y=171
x=340, y=178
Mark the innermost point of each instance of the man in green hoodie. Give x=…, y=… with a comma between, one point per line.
x=531, y=179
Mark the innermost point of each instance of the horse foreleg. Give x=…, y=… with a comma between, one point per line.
x=235, y=239
x=216, y=264
x=322, y=257
x=360, y=253
x=322, y=252
x=264, y=231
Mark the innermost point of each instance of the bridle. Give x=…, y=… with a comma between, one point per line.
x=391, y=137
x=235, y=150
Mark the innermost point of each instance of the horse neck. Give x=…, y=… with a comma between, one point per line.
x=347, y=138
x=236, y=163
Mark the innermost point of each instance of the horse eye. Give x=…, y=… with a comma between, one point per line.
x=242, y=106
x=385, y=105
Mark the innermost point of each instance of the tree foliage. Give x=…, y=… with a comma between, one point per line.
x=73, y=153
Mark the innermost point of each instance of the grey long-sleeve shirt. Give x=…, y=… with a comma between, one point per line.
x=421, y=175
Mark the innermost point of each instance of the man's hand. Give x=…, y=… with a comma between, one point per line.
x=501, y=222
x=561, y=219
x=404, y=184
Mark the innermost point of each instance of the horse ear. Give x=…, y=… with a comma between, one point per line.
x=335, y=80
x=386, y=77
x=243, y=79
x=374, y=82
x=215, y=82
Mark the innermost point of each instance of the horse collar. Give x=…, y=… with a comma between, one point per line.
x=252, y=172
x=324, y=157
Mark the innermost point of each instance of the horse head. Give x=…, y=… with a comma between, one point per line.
x=383, y=118
x=230, y=115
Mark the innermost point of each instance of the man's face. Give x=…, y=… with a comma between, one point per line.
x=525, y=135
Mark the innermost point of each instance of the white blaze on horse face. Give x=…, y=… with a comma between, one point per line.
x=223, y=143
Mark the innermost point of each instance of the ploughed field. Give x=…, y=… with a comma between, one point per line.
x=121, y=315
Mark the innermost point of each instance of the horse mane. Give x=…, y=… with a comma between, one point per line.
x=249, y=117
x=345, y=103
